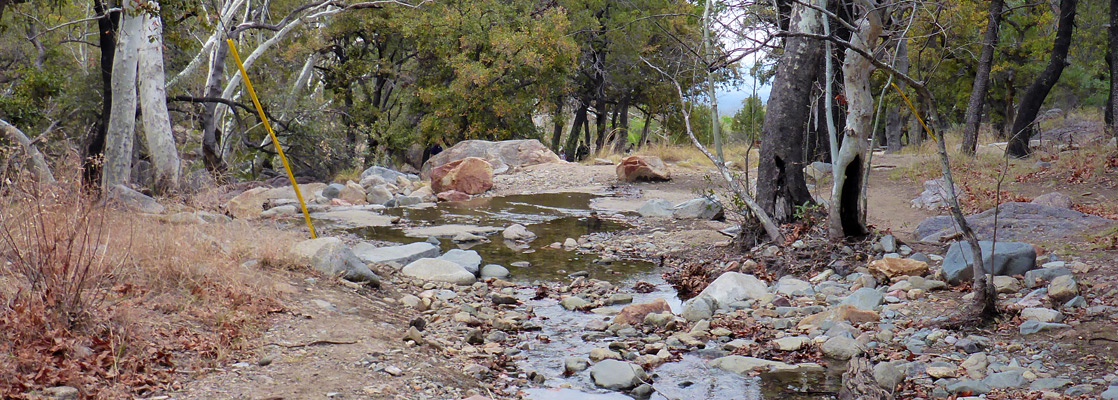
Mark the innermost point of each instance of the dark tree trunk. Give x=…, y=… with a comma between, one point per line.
x=95, y=146
x=1112, y=52
x=601, y=114
x=981, y=79
x=644, y=130
x=557, y=125
x=894, y=124
x=780, y=176
x=576, y=126
x=622, y=129
x=1038, y=91
x=210, y=134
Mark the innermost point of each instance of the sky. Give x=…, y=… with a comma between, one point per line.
x=729, y=99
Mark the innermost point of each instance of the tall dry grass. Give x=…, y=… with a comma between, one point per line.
x=112, y=302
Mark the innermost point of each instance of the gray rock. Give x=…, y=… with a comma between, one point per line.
x=469, y=260
x=656, y=208
x=968, y=385
x=399, y=255
x=466, y=237
x=518, y=232
x=494, y=271
x=700, y=208
x=433, y=269
x=617, y=375
x=332, y=190
x=1041, y=314
x=62, y=392
x=1016, y=222
x=790, y=343
x=1050, y=383
x=124, y=196
x=1063, y=288
x=698, y=308
x=573, y=303
x=1054, y=199
x=744, y=365
x=790, y=286
x=1040, y=276
x=842, y=348
x=818, y=170
x=888, y=243
x=1011, y=258
x=1110, y=393
x=1079, y=390
x=865, y=299
x=1007, y=379
x=1076, y=302
x=388, y=175
x=404, y=201
x=1031, y=326
x=575, y=364
x=378, y=194
x=888, y=374
x=330, y=256
x=734, y=286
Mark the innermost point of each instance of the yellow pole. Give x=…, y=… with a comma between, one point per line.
x=906, y=100
x=272, y=134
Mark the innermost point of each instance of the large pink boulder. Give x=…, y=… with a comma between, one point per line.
x=470, y=175
x=504, y=156
x=642, y=168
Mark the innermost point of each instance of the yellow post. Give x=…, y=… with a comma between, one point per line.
x=272, y=134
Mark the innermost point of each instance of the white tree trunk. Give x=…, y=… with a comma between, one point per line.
x=228, y=11
x=39, y=165
x=859, y=121
x=122, y=119
x=153, y=103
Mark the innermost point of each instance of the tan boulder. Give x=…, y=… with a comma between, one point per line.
x=843, y=312
x=250, y=203
x=890, y=267
x=470, y=175
x=353, y=193
x=642, y=168
x=504, y=156
x=634, y=314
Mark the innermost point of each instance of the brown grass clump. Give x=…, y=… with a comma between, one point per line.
x=115, y=303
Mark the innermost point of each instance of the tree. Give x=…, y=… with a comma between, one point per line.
x=981, y=79
x=1030, y=105
x=747, y=122
x=781, y=185
x=1112, y=58
x=122, y=120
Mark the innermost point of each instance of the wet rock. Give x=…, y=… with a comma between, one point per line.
x=570, y=244
x=466, y=237
x=1062, y=288
x=1041, y=314
x=701, y=208
x=573, y=303
x=330, y=256
x=865, y=299
x=518, y=232
x=659, y=320
x=890, y=267
x=1010, y=258
x=1054, y=199
x=500, y=299
x=504, y=156
x=1006, y=379
x=399, y=255
x=1032, y=326
x=575, y=364
x=744, y=365
x=494, y=271
x=469, y=260
x=439, y=270
x=617, y=375
x=1038, y=277
x=470, y=175
x=888, y=374
x=643, y=391
x=1006, y=284
x=968, y=385
x=642, y=168
x=599, y=354
x=793, y=343
x=842, y=348
x=790, y=286
x=656, y=208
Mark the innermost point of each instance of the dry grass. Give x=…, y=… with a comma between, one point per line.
x=112, y=302
x=691, y=157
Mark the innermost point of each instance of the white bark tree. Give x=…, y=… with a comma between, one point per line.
x=117, y=167
x=38, y=164
x=153, y=104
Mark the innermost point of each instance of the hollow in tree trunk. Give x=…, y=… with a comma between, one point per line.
x=1036, y=93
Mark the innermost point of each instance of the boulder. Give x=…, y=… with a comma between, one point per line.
x=353, y=193
x=745, y=365
x=378, y=194
x=1039, y=277
x=888, y=374
x=789, y=286
x=934, y=195
x=453, y=195
x=124, y=196
x=842, y=348
x=617, y=375
x=575, y=364
x=517, y=232
x=700, y=208
x=1007, y=258
x=891, y=267
x=330, y=256
x=1006, y=284
x=1062, y=288
x=399, y=255
x=386, y=174
x=470, y=175
x=1041, y=314
x=1016, y=222
x=470, y=260
x=865, y=299
x=818, y=170
x=1054, y=199
x=634, y=314
x=734, y=286
x=494, y=271
x=503, y=156
x=250, y=203
x=332, y=191
x=642, y=168
x=433, y=269
x=698, y=308
x=656, y=208
x=790, y=343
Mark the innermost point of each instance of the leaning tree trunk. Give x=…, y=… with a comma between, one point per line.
x=845, y=217
x=557, y=124
x=572, y=138
x=981, y=79
x=644, y=130
x=153, y=103
x=780, y=174
x=38, y=165
x=117, y=167
x=1034, y=97
x=1112, y=103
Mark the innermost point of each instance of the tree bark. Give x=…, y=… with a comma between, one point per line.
x=117, y=167
x=601, y=114
x=39, y=166
x=1036, y=93
x=622, y=125
x=572, y=138
x=644, y=130
x=153, y=103
x=211, y=157
x=1112, y=102
x=981, y=79
x=780, y=178
x=94, y=147
x=894, y=123
x=557, y=124
x=845, y=217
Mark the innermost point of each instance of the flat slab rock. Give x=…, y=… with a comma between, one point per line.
x=399, y=255
x=1016, y=222
x=355, y=218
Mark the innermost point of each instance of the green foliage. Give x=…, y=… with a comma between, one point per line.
x=746, y=123
x=29, y=97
